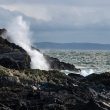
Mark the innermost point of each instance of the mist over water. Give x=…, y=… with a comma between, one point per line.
x=19, y=33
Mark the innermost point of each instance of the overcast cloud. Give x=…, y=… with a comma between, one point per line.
x=62, y=20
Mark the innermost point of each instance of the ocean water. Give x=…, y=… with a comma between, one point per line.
x=89, y=61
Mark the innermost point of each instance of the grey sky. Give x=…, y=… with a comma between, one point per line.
x=62, y=20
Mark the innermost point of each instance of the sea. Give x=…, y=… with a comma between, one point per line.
x=89, y=61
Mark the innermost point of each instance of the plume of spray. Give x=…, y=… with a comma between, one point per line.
x=19, y=33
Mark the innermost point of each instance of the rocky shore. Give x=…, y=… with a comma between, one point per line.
x=22, y=88
x=52, y=90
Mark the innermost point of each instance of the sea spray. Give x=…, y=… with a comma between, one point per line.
x=19, y=33
x=86, y=72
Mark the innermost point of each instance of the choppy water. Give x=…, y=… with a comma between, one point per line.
x=88, y=61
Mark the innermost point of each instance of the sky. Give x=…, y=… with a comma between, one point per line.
x=61, y=20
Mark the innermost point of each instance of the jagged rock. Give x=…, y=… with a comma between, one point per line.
x=56, y=64
x=11, y=55
x=56, y=91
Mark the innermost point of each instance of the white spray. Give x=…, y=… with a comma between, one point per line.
x=19, y=33
x=86, y=72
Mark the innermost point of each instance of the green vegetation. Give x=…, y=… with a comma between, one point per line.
x=2, y=72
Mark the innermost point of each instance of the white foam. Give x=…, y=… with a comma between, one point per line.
x=86, y=72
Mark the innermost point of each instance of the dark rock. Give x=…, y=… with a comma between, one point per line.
x=12, y=56
x=103, y=78
x=75, y=76
x=56, y=64
x=54, y=91
x=91, y=105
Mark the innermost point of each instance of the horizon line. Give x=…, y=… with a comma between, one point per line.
x=75, y=43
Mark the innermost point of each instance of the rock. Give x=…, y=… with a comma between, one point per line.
x=103, y=78
x=57, y=91
x=91, y=105
x=57, y=65
x=11, y=55
x=75, y=76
